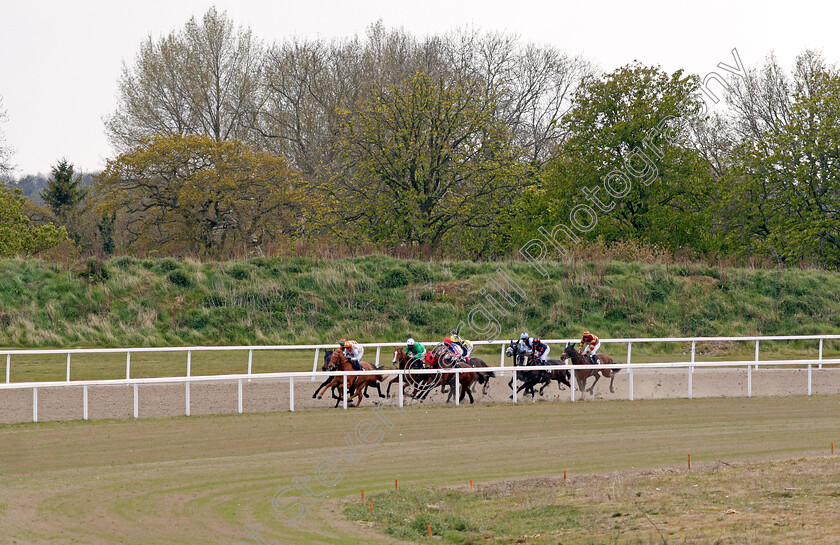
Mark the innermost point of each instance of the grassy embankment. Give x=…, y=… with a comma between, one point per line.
x=166, y=302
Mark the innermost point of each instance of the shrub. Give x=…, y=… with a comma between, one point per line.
x=181, y=279
x=95, y=271
x=239, y=272
x=395, y=278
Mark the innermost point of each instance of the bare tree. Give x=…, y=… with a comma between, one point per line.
x=203, y=79
x=6, y=151
x=309, y=84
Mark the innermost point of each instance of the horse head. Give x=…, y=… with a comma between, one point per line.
x=337, y=358
x=400, y=358
x=512, y=349
x=328, y=366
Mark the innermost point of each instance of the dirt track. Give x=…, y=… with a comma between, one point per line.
x=269, y=396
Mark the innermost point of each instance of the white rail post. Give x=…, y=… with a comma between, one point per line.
x=691, y=371
x=8, y=366
x=378, y=349
x=344, y=392
x=250, y=361
x=239, y=403
x=136, y=404
x=292, y=394
x=34, y=404
x=690, y=381
x=187, y=383
x=457, y=387
x=629, y=354
x=809, y=379
x=749, y=380
x=502, y=359
x=85, y=402
x=401, y=387
x=513, y=388
x=756, y=355
x=572, y=382
x=820, y=357
x=315, y=364
x=68, y=367
x=127, y=365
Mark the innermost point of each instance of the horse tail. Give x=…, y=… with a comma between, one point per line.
x=480, y=378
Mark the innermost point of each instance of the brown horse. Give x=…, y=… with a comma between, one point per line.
x=465, y=379
x=340, y=362
x=582, y=374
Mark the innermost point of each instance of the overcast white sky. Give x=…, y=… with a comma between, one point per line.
x=60, y=59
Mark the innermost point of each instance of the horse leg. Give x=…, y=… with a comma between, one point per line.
x=612, y=379
x=581, y=382
x=388, y=390
x=323, y=384
x=360, y=390
x=592, y=388
x=467, y=391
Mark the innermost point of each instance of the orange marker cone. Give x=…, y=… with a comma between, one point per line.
x=363, y=495
x=832, y=447
x=471, y=485
x=430, y=531
x=396, y=484
x=689, y=461
x=370, y=506
x=564, y=474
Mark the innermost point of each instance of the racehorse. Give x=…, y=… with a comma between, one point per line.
x=530, y=379
x=335, y=389
x=436, y=359
x=404, y=361
x=339, y=362
x=326, y=367
x=582, y=374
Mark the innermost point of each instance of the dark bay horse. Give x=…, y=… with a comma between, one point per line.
x=530, y=379
x=582, y=374
x=420, y=382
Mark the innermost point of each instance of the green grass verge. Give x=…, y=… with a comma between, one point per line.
x=165, y=302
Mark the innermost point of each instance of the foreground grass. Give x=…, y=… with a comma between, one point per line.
x=200, y=480
x=793, y=501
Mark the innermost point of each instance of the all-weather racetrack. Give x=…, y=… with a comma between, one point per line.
x=238, y=478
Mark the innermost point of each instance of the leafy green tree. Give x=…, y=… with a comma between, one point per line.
x=425, y=162
x=20, y=236
x=64, y=190
x=192, y=194
x=783, y=199
x=627, y=158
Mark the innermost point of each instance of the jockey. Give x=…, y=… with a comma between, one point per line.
x=454, y=351
x=354, y=352
x=590, y=344
x=526, y=344
x=540, y=351
x=414, y=350
x=465, y=345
